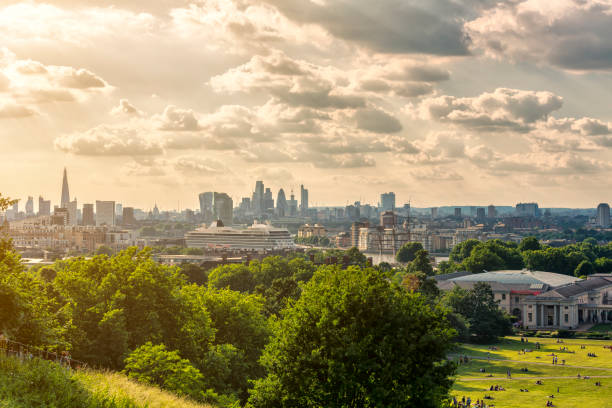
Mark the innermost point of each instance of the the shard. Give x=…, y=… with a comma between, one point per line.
x=65, y=191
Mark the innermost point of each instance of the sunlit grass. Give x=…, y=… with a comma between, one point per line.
x=572, y=392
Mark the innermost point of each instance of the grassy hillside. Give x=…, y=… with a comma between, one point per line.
x=40, y=383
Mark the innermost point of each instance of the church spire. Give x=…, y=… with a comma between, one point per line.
x=65, y=191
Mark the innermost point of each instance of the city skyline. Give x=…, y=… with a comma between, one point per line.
x=348, y=100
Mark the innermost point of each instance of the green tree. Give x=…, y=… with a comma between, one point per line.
x=603, y=265
x=154, y=365
x=104, y=250
x=478, y=306
x=408, y=252
x=529, y=244
x=463, y=250
x=195, y=273
x=354, y=339
x=235, y=277
x=421, y=263
x=590, y=241
x=584, y=268
x=356, y=257
x=483, y=259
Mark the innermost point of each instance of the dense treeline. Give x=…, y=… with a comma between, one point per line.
x=580, y=259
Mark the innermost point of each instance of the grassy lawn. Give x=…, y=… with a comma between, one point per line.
x=573, y=392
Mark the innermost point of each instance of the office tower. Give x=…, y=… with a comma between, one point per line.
x=155, y=212
x=245, y=204
x=29, y=207
x=457, y=212
x=281, y=204
x=268, y=200
x=491, y=211
x=355, y=227
x=434, y=212
x=206, y=206
x=105, y=213
x=44, y=206
x=257, y=203
x=16, y=208
x=303, y=201
x=65, y=191
x=292, y=204
x=88, y=215
x=603, y=215
x=223, y=208
x=118, y=209
x=128, y=216
x=72, y=213
x=387, y=201
x=480, y=213
x=527, y=209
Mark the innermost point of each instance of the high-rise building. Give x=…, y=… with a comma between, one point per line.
x=387, y=201
x=128, y=216
x=491, y=211
x=303, y=201
x=268, y=200
x=292, y=204
x=88, y=215
x=257, y=203
x=480, y=213
x=29, y=207
x=282, y=209
x=206, y=206
x=65, y=191
x=355, y=227
x=527, y=209
x=44, y=206
x=60, y=216
x=458, y=212
x=223, y=208
x=603, y=215
x=72, y=212
x=105, y=213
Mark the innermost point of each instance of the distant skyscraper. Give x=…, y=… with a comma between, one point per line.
x=44, y=206
x=223, y=208
x=281, y=204
x=388, y=219
x=105, y=213
x=480, y=213
x=29, y=207
x=292, y=204
x=88, y=215
x=491, y=211
x=434, y=212
x=603, y=215
x=257, y=203
x=128, y=216
x=65, y=191
x=527, y=209
x=387, y=201
x=457, y=212
x=72, y=213
x=206, y=206
x=303, y=201
x=268, y=200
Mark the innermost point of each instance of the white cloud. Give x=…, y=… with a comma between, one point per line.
x=106, y=140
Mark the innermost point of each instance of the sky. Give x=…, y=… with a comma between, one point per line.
x=441, y=101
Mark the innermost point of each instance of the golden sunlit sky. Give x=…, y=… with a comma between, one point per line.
x=442, y=101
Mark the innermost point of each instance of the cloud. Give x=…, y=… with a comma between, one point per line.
x=377, y=121
x=106, y=140
x=199, y=166
x=347, y=161
x=502, y=109
x=11, y=110
x=177, y=119
x=79, y=78
x=393, y=26
x=126, y=108
x=571, y=35
x=294, y=82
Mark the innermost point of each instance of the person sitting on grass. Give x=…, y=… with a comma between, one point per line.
x=539, y=382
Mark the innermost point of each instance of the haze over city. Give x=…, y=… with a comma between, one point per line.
x=443, y=102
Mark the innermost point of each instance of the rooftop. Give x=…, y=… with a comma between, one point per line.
x=519, y=277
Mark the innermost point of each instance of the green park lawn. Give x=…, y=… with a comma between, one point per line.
x=573, y=392
x=601, y=327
